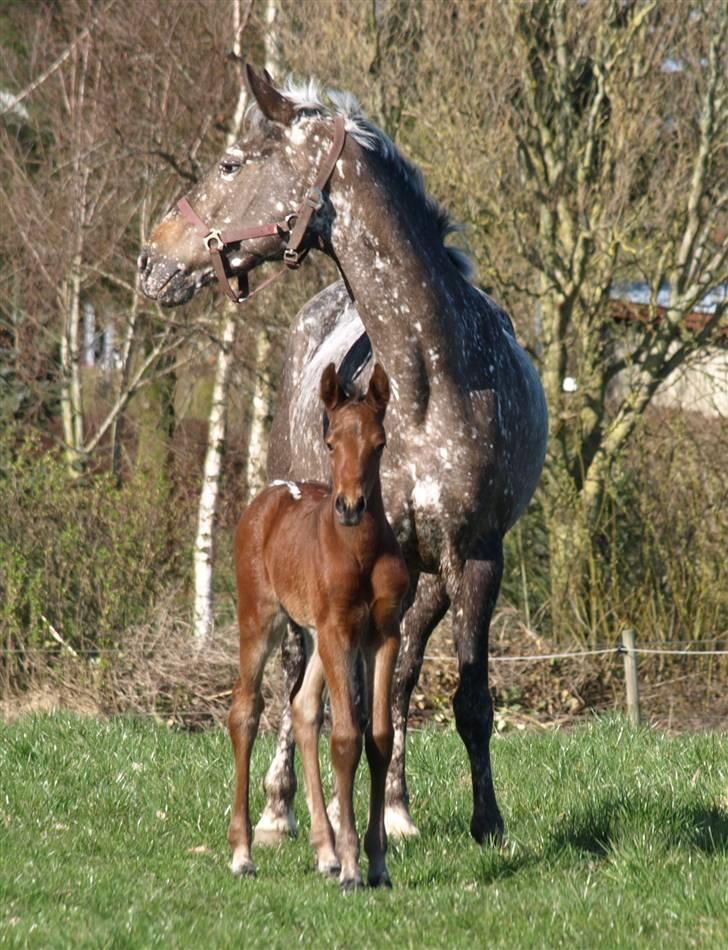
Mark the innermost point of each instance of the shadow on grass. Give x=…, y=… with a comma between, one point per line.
x=708, y=829
x=598, y=826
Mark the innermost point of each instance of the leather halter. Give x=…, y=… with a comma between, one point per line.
x=293, y=226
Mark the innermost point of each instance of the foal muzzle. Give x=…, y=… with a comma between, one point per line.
x=350, y=514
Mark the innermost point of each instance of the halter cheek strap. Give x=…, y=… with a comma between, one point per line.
x=294, y=226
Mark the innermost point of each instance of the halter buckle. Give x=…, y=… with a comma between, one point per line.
x=315, y=199
x=216, y=236
x=292, y=258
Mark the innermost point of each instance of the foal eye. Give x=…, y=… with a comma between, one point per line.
x=330, y=446
x=380, y=448
x=228, y=167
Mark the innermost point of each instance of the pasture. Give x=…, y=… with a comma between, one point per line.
x=112, y=833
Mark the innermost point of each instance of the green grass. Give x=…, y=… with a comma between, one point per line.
x=616, y=838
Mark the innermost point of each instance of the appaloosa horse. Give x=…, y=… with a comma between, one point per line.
x=327, y=559
x=467, y=419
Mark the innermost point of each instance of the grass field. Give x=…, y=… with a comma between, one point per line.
x=113, y=834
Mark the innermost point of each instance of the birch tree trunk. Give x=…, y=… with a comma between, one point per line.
x=204, y=616
x=258, y=437
x=204, y=606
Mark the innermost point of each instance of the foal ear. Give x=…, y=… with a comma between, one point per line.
x=331, y=391
x=378, y=393
x=273, y=104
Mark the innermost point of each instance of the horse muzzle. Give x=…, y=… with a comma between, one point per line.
x=348, y=513
x=164, y=280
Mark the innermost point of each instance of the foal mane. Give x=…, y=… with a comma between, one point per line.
x=309, y=98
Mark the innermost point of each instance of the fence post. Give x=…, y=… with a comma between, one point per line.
x=630, y=677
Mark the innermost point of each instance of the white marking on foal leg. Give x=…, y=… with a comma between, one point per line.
x=242, y=864
x=292, y=487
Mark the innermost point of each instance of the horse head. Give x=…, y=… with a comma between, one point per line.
x=246, y=208
x=355, y=439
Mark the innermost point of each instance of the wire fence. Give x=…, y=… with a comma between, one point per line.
x=628, y=649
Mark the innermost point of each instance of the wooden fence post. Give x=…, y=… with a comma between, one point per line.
x=630, y=677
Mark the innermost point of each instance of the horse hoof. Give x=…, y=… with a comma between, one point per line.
x=273, y=829
x=330, y=868
x=380, y=880
x=243, y=868
x=398, y=823
x=488, y=831
x=350, y=885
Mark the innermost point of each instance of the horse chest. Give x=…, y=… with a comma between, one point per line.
x=431, y=513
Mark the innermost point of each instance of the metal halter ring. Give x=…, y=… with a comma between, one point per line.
x=216, y=236
x=292, y=258
x=315, y=199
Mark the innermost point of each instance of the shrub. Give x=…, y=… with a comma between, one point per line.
x=83, y=559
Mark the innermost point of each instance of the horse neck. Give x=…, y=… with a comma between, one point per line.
x=408, y=293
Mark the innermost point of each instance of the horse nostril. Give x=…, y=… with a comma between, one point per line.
x=143, y=260
x=340, y=504
x=361, y=504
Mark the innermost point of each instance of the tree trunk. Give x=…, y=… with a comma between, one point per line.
x=204, y=614
x=258, y=437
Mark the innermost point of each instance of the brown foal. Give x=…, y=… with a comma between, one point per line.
x=327, y=559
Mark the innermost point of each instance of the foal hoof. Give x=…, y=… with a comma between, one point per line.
x=329, y=868
x=398, y=823
x=351, y=884
x=273, y=829
x=243, y=868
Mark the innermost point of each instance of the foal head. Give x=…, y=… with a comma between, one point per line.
x=355, y=439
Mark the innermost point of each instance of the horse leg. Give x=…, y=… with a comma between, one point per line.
x=381, y=659
x=429, y=607
x=473, y=601
x=339, y=661
x=362, y=708
x=277, y=821
x=307, y=718
x=247, y=705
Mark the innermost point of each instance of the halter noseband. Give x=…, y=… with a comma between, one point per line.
x=294, y=225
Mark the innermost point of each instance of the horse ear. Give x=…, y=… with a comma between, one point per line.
x=273, y=104
x=378, y=393
x=331, y=391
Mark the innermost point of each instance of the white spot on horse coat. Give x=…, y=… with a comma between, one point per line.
x=292, y=487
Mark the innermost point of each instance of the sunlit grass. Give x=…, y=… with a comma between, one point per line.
x=113, y=834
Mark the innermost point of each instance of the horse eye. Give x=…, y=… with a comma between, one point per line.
x=229, y=167
x=380, y=448
x=330, y=446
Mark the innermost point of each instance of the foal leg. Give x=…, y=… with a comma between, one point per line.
x=243, y=722
x=339, y=661
x=362, y=709
x=381, y=658
x=277, y=821
x=307, y=718
x=473, y=601
x=429, y=607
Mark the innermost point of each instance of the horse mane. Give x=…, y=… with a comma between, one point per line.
x=309, y=98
